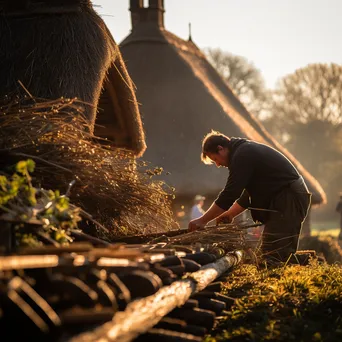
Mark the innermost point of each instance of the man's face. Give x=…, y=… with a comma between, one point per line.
x=220, y=158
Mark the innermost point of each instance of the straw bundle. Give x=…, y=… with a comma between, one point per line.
x=110, y=184
x=228, y=237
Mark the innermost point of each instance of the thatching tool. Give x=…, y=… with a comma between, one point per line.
x=232, y=225
x=262, y=209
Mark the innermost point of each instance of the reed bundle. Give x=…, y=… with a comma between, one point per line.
x=228, y=237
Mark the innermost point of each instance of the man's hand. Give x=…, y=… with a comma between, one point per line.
x=196, y=224
x=228, y=216
x=224, y=218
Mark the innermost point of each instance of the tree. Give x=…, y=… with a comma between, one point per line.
x=307, y=112
x=307, y=118
x=244, y=79
x=311, y=93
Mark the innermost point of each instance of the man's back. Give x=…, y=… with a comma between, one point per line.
x=259, y=169
x=269, y=167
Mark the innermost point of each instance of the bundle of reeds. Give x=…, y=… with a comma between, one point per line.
x=117, y=190
x=228, y=237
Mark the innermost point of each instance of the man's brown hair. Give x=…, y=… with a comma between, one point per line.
x=210, y=145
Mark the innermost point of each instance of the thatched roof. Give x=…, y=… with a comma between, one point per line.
x=182, y=97
x=118, y=117
x=63, y=49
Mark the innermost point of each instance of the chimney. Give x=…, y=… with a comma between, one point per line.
x=153, y=14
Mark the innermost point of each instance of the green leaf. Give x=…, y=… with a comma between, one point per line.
x=3, y=183
x=21, y=167
x=32, y=196
x=30, y=165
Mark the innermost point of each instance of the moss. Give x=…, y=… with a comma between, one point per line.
x=293, y=303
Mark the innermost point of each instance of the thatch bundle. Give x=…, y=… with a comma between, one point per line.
x=228, y=237
x=110, y=184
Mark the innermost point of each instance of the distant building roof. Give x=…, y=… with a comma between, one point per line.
x=182, y=98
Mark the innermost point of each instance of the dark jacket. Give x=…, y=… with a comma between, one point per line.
x=257, y=173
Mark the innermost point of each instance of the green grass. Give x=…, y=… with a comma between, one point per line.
x=293, y=303
x=329, y=232
x=325, y=228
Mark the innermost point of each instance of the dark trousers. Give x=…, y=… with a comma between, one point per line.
x=282, y=228
x=340, y=235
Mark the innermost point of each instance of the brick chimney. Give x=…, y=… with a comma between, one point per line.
x=152, y=15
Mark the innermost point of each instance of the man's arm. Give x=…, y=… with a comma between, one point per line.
x=228, y=215
x=244, y=200
x=213, y=212
x=241, y=171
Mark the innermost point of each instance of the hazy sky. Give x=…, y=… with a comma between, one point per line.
x=278, y=36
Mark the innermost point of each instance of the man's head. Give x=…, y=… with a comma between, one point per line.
x=199, y=200
x=215, y=149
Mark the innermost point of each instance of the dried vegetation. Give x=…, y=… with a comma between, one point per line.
x=115, y=189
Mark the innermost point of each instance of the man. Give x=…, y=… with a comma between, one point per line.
x=197, y=210
x=266, y=182
x=339, y=210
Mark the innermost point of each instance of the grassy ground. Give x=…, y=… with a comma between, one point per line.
x=328, y=232
x=292, y=303
x=325, y=228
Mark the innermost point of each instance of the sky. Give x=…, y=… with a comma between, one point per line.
x=277, y=36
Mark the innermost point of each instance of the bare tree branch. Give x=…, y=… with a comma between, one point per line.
x=243, y=78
